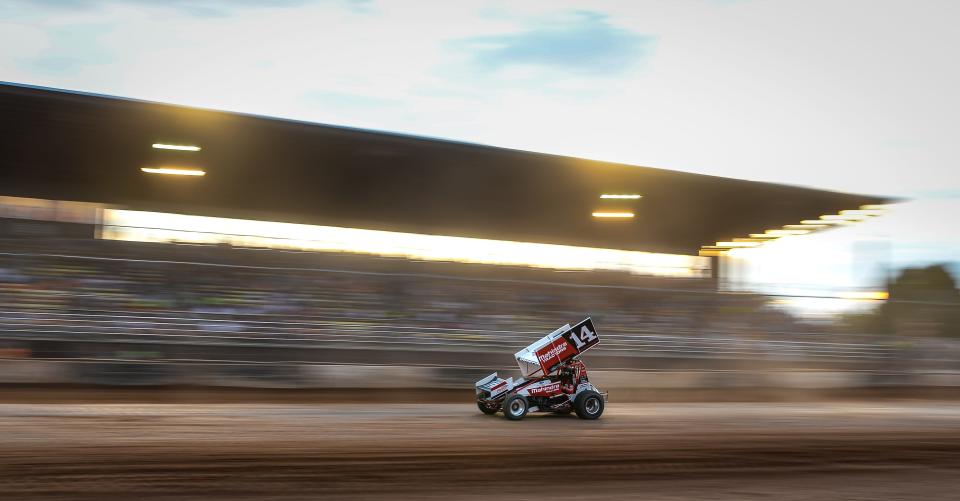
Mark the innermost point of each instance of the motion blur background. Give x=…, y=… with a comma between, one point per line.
x=178, y=216
x=680, y=271
x=100, y=287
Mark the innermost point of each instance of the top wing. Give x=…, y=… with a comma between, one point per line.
x=546, y=354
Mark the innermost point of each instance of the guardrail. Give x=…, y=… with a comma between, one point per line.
x=346, y=376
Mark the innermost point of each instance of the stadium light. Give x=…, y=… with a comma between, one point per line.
x=786, y=233
x=180, y=147
x=613, y=215
x=842, y=218
x=821, y=222
x=862, y=212
x=866, y=295
x=173, y=171
x=737, y=244
x=845, y=216
x=620, y=197
x=839, y=221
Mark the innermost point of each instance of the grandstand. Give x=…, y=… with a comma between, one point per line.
x=204, y=303
x=299, y=243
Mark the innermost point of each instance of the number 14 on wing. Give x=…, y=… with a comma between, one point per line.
x=582, y=335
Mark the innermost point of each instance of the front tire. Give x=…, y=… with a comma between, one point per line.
x=588, y=405
x=484, y=409
x=515, y=407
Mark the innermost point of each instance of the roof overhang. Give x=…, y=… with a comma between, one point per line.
x=92, y=148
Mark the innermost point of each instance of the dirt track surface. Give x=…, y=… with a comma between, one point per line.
x=726, y=451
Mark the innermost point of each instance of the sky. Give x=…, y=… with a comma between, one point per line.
x=854, y=96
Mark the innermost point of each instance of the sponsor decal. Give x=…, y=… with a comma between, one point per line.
x=553, y=354
x=545, y=390
x=498, y=388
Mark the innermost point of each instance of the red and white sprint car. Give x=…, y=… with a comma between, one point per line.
x=554, y=379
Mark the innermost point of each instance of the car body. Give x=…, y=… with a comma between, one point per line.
x=554, y=378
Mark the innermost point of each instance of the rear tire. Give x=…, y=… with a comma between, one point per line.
x=515, y=407
x=484, y=409
x=588, y=405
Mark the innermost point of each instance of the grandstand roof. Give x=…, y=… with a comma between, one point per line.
x=85, y=147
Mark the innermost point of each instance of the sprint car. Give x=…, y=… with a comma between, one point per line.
x=554, y=378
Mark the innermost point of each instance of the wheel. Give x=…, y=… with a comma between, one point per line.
x=588, y=405
x=484, y=409
x=515, y=407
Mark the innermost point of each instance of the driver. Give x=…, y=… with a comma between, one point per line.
x=571, y=373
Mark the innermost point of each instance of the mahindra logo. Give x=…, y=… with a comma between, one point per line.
x=545, y=389
x=552, y=353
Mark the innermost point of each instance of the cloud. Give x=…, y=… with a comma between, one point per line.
x=82, y=4
x=584, y=43
x=196, y=8
x=69, y=50
x=343, y=100
x=53, y=65
x=939, y=194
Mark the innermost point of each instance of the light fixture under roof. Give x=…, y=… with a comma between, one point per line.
x=806, y=226
x=737, y=244
x=787, y=233
x=820, y=222
x=866, y=295
x=613, y=215
x=173, y=171
x=862, y=212
x=180, y=147
x=842, y=219
x=623, y=196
